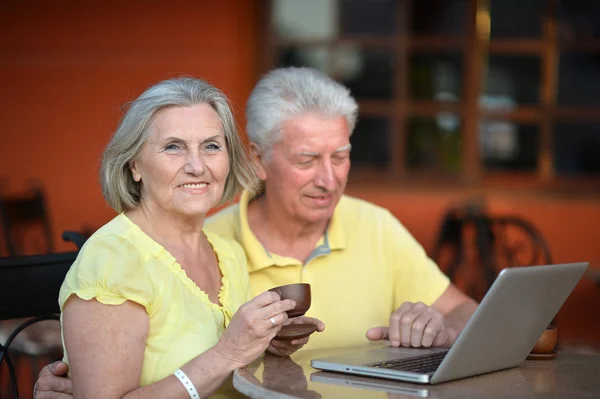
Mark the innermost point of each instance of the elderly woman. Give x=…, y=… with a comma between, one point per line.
x=154, y=306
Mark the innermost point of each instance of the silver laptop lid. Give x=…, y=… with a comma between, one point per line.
x=510, y=319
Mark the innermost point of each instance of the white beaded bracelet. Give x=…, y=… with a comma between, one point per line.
x=187, y=384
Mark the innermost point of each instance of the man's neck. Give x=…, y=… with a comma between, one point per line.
x=279, y=233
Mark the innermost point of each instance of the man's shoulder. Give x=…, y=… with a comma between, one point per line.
x=371, y=217
x=362, y=208
x=224, y=222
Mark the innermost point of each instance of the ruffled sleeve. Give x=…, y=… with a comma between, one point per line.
x=111, y=270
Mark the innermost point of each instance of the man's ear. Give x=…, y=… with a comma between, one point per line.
x=135, y=173
x=258, y=162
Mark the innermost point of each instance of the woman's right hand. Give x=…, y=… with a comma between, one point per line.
x=253, y=327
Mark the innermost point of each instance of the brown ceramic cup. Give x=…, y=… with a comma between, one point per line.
x=300, y=293
x=547, y=342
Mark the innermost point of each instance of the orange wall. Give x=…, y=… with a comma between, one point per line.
x=67, y=67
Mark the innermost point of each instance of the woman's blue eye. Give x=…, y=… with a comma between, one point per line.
x=172, y=147
x=213, y=147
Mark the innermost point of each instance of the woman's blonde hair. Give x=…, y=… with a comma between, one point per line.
x=120, y=191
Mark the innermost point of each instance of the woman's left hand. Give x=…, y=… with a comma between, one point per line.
x=286, y=348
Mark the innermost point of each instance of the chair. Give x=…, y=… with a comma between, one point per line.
x=20, y=216
x=478, y=245
x=29, y=288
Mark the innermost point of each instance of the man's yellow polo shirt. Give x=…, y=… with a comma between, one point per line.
x=363, y=268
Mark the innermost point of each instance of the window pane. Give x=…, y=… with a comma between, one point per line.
x=304, y=19
x=368, y=73
x=368, y=17
x=516, y=18
x=577, y=148
x=439, y=17
x=436, y=77
x=371, y=142
x=318, y=57
x=507, y=145
x=512, y=80
x=578, y=82
x=578, y=20
x=434, y=143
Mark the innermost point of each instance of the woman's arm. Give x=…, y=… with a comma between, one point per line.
x=105, y=345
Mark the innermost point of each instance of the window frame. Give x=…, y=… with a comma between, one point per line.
x=475, y=46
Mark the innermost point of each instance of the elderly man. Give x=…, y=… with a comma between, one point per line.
x=370, y=279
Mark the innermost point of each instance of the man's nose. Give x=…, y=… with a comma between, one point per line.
x=194, y=163
x=325, y=177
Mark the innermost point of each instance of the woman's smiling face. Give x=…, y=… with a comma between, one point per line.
x=183, y=166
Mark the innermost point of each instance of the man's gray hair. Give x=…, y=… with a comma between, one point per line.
x=287, y=92
x=120, y=191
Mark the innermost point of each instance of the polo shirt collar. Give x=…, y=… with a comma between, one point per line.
x=259, y=257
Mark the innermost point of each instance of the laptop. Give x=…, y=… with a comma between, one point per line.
x=505, y=327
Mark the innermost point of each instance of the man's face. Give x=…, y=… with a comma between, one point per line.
x=307, y=170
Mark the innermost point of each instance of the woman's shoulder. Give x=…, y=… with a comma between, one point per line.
x=118, y=235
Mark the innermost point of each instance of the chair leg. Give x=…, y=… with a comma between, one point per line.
x=11, y=375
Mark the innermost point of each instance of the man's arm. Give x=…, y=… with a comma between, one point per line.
x=457, y=308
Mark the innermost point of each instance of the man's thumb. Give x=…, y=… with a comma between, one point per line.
x=59, y=368
x=377, y=333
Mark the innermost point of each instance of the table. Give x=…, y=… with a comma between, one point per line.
x=570, y=375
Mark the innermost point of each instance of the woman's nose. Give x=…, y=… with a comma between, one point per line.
x=195, y=164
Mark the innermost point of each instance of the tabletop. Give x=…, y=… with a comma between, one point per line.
x=571, y=374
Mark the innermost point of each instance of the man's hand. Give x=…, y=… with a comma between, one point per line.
x=286, y=348
x=413, y=325
x=52, y=382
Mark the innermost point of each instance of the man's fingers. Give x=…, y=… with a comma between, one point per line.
x=406, y=325
x=377, y=333
x=441, y=339
x=432, y=330
x=58, y=368
x=418, y=328
x=51, y=381
x=299, y=342
x=51, y=395
x=308, y=320
x=395, y=326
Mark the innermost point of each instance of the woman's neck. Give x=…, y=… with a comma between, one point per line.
x=169, y=230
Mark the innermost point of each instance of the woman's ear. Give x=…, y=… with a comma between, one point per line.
x=258, y=161
x=135, y=173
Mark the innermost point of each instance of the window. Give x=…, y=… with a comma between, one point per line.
x=478, y=91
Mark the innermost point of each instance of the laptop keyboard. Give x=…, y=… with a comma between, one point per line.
x=422, y=364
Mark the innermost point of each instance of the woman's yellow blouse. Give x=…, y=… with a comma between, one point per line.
x=121, y=263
